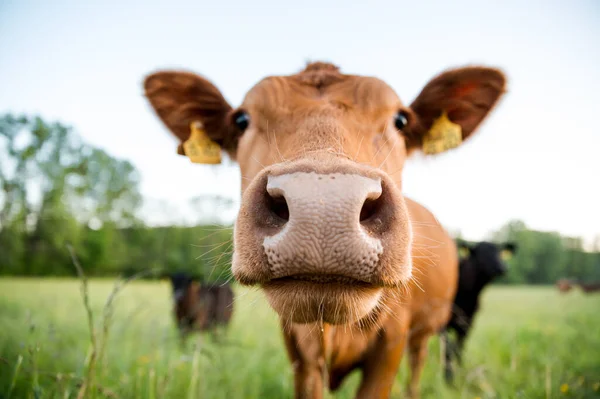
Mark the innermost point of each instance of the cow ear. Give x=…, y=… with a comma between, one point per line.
x=451, y=107
x=181, y=98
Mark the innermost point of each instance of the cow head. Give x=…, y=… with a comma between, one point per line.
x=180, y=283
x=488, y=257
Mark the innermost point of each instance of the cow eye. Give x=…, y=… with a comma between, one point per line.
x=241, y=120
x=400, y=120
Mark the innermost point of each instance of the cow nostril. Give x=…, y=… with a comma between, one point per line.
x=370, y=209
x=278, y=207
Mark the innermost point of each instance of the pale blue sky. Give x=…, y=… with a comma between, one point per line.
x=536, y=158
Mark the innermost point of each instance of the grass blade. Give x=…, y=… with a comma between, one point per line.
x=15, y=376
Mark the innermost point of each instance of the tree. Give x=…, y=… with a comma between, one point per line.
x=544, y=257
x=53, y=186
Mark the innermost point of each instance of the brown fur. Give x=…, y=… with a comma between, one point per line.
x=204, y=307
x=589, y=288
x=564, y=285
x=323, y=120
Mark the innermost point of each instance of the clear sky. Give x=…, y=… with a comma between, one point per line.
x=535, y=159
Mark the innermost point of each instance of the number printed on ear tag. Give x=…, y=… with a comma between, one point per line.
x=199, y=148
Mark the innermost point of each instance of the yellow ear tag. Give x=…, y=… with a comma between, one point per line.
x=463, y=252
x=199, y=148
x=444, y=135
x=505, y=254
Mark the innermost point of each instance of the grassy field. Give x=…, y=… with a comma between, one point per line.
x=527, y=343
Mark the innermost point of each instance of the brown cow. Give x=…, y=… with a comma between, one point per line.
x=200, y=306
x=564, y=285
x=589, y=287
x=355, y=270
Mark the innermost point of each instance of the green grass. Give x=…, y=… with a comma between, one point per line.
x=527, y=342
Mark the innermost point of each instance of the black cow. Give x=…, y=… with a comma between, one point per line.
x=482, y=263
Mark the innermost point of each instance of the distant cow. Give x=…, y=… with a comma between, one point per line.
x=589, y=287
x=564, y=285
x=200, y=306
x=482, y=264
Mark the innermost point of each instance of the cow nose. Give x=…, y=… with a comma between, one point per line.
x=330, y=224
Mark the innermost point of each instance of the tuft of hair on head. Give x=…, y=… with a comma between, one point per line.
x=320, y=74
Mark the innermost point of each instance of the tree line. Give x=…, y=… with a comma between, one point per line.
x=55, y=190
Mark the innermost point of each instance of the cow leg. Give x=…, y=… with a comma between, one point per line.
x=449, y=354
x=460, y=344
x=454, y=351
x=381, y=366
x=183, y=334
x=308, y=381
x=304, y=350
x=216, y=334
x=417, y=357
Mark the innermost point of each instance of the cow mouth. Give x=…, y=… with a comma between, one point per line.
x=323, y=279
x=334, y=299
